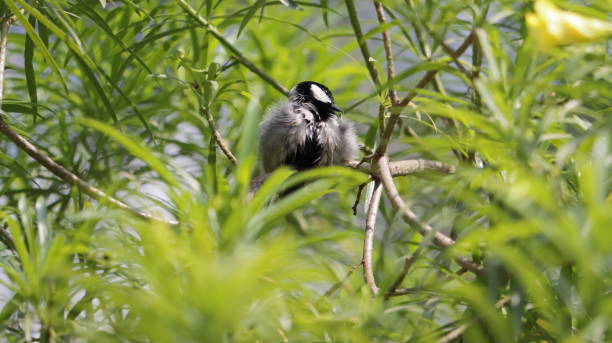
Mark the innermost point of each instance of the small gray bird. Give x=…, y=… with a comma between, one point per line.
x=305, y=132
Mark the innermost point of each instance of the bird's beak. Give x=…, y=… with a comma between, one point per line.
x=335, y=108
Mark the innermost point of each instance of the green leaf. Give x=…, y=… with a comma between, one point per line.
x=271, y=187
x=249, y=15
x=28, y=54
x=293, y=201
x=135, y=148
x=37, y=41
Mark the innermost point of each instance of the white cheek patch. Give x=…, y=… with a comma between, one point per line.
x=319, y=94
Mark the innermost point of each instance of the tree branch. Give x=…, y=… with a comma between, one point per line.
x=386, y=136
x=229, y=46
x=368, y=241
x=218, y=138
x=45, y=160
x=380, y=13
x=460, y=50
x=439, y=239
x=451, y=53
x=358, y=196
x=70, y=177
x=404, y=167
x=397, y=168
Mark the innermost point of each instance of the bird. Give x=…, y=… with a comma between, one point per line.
x=305, y=131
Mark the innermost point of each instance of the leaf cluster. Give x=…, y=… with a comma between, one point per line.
x=128, y=95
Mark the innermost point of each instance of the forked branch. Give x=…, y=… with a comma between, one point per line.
x=368, y=242
x=439, y=239
x=397, y=109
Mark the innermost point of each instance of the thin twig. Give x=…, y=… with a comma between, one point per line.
x=384, y=141
x=458, y=331
x=460, y=50
x=423, y=46
x=358, y=196
x=455, y=333
x=363, y=46
x=381, y=125
x=439, y=239
x=229, y=46
x=380, y=13
x=451, y=53
x=70, y=177
x=408, y=262
x=404, y=291
x=337, y=285
x=218, y=138
x=425, y=50
x=45, y=160
x=476, y=63
x=368, y=242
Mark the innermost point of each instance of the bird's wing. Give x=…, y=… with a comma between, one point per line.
x=280, y=134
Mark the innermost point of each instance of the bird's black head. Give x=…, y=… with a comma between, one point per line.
x=317, y=95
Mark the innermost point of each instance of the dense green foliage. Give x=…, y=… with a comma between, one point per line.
x=119, y=92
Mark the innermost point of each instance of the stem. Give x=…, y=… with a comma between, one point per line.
x=363, y=46
x=218, y=138
x=396, y=168
x=408, y=262
x=384, y=142
x=380, y=13
x=339, y=283
x=404, y=167
x=229, y=46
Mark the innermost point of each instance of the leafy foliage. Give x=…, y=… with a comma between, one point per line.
x=119, y=93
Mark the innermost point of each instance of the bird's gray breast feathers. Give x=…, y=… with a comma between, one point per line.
x=293, y=135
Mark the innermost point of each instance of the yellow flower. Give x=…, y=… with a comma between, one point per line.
x=552, y=26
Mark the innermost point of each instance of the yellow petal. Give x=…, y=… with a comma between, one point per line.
x=578, y=28
x=537, y=28
x=552, y=27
